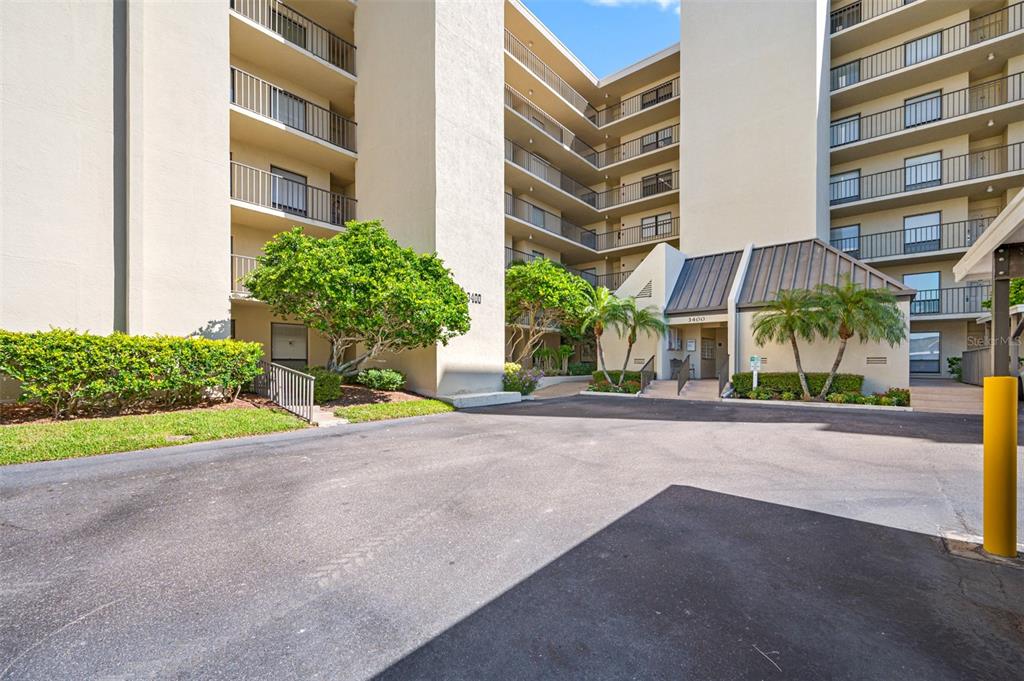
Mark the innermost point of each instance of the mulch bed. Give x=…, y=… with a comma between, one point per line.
x=352, y=395
x=11, y=414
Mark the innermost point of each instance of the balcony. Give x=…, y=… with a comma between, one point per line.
x=277, y=203
x=531, y=119
x=536, y=216
x=241, y=266
x=924, y=54
x=612, y=280
x=638, y=108
x=938, y=179
x=648, y=192
x=863, y=10
x=928, y=118
x=638, y=235
x=913, y=242
x=272, y=33
x=951, y=303
x=644, y=146
x=512, y=256
x=523, y=65
x=538, y=167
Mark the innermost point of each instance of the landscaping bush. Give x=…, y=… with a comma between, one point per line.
x=72, y=373
x=581, y=369
x=602, y=386
x=520, y=380
x=893, y=397
x=955, y=368
x=326, y=384
x=381, y=379
x=788, y=381
x=630, y=376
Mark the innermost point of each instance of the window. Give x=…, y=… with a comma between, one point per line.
x=922, y=109
x=922, y=49
x=921, y=233
x=844, y=187
x=288, y=190
x=845, y=75
x=922, y=171
x=288, y=345
x=845, y=130
x=656, y=140
x=290, y=30
x=927, y=286
x=536, y=254
x=675, y=339
x=846, y=239
x=535, y=215
x=288, y=109
x=655, y=184
x=707, y=348
x=656, y=96
x=925, y=352
x=655, y=225
x=590, y=275
x=845, y=17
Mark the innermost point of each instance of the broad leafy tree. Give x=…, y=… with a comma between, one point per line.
x=603, y=311
x=540, y=298
x=361, y=289
x=850, y=310
x=636, y=321
x=792, y=315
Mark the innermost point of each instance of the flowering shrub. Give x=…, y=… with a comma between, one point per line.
x=520, y=380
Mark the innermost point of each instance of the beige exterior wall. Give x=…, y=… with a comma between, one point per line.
x=253, y=322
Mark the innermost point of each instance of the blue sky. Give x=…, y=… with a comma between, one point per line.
x=607, y=35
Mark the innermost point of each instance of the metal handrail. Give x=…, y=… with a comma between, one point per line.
x=548, y=125
x=513, y=256
x=637, y=234
x=631, y=105
x=723, y=374
x=299, y=30
x=647, y=373
x=649, y=142
x=953, y=39
x=289, y=389
x=959, y=300
x=548, y=221
x=241, y=267
x=684, y=375
x=941, y=107
x=975, y=165
x=652, y=186
x=258, y=187
x=915, y=240
x=850, y=15
x=525, y=56
x=612, y=280
x=266, y=99
x=537, y=167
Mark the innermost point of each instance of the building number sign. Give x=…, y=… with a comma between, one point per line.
x=476, y=298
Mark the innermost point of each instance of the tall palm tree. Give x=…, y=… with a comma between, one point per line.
x=849, y=310
x=647, y=321
x=792, y=315
x=603, y=311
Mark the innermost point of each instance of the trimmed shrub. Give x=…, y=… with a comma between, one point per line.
x=326, y=384
x=630, y=376
x=581, y=369
x=788, y=381
x=899, y=397
x=381, y=379
x=71, y=373
x=955, y=368
x=519, y=380
x=628, y=387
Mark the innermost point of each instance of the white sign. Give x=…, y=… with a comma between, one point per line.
x=755, y=362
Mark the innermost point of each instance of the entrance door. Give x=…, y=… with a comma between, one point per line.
x=288, y=345
x=707, y=357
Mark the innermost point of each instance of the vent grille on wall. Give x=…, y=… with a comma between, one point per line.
x=876, y=360
x=645, y=292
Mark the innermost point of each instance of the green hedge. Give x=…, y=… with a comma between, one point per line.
x=581, y=368
x=630, y=376
x=381, y=379
x=326, y=384
x=73, y=373
x=788, y=381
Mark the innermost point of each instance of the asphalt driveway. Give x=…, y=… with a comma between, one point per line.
x=580, y=538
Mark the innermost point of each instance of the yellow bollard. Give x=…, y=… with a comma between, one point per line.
x=999, y=516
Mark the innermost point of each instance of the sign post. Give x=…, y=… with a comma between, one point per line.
x=755, y=366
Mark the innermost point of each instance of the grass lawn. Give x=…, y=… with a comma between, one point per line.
x=392, y=410
x=84, y=437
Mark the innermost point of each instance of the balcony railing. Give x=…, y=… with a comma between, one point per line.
x=630, y=236
x=631, y=105
x=548, y=125
x=513, y=256
x=270, y=101
x=241, y=266
x=952, y=39
x=535, y=165
x=299, y=30
x=258, y=187
x=950, y=301
x=914, y=240
x=536, y=65
x=640, y=145
x=855, y=13
x=976, y=165
x=652, y=185
x=928, y=109
x=538, y=217
x=612, y=280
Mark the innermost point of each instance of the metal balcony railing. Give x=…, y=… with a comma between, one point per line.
x=928, y=109
x=639, y=145
x=951, y=301
x=299, y=30
x=241, y=266
x=612, y=280
x=948, y=40
x=513, y=256
x=651, y=185
x=631, y=105
x=270, y=101
x=976, y=165
x=258, y=187
x=537, y=166
x=548, y=125
x=854, y=13
x=525, y=56
x=538, y=217
x=914, y=240
x=638, y=234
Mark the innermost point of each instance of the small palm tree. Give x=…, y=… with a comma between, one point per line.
x=792, y=315
x=603, y=311
x=850, y=310
x=647, y=321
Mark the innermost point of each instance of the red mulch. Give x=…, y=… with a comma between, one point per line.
x=356, y=394
x=34, y=413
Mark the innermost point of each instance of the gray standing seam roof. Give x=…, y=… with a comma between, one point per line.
x=704, y=283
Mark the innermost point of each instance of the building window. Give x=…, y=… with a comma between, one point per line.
x=845, y=75
x=675, y=339
x=922, y=171
x=290, y=30
x=844, y=187
x=925, y=352
x=288, y=190
x=926, y=301
x=288, y=345
x=536, y=254
x=921, y=233
x=845, y=130
x=656, y=96
x=656, y=140
x=656, y=184
x=846, y=239
x=922, y=49
x=707, y=348
x=655, y=225
x=922, y=109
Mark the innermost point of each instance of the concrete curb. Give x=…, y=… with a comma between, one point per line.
x=594, y=393
x=547, y=381
x=813, y=405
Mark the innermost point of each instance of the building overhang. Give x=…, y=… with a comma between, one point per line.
x=1006, y=228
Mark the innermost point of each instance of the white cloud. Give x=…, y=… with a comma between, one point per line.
x=663, y=4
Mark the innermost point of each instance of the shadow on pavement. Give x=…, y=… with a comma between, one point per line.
x=953, y=428
x=695, y=584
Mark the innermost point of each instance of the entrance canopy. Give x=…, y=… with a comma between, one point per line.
x=1006, y=228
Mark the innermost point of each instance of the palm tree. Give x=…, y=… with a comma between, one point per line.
x=849, y=310
x=647, y=321
x=792, y=315
x=603, y=311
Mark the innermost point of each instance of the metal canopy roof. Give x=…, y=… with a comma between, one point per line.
x=704, y=283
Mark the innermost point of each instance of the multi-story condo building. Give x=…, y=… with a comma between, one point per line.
x=927, y=147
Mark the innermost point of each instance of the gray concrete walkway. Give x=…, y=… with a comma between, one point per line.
x=945, y=396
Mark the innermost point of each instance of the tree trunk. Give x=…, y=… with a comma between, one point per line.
x=600, y=357
x=625, y=364
x=835, y=368
x=800, y=368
